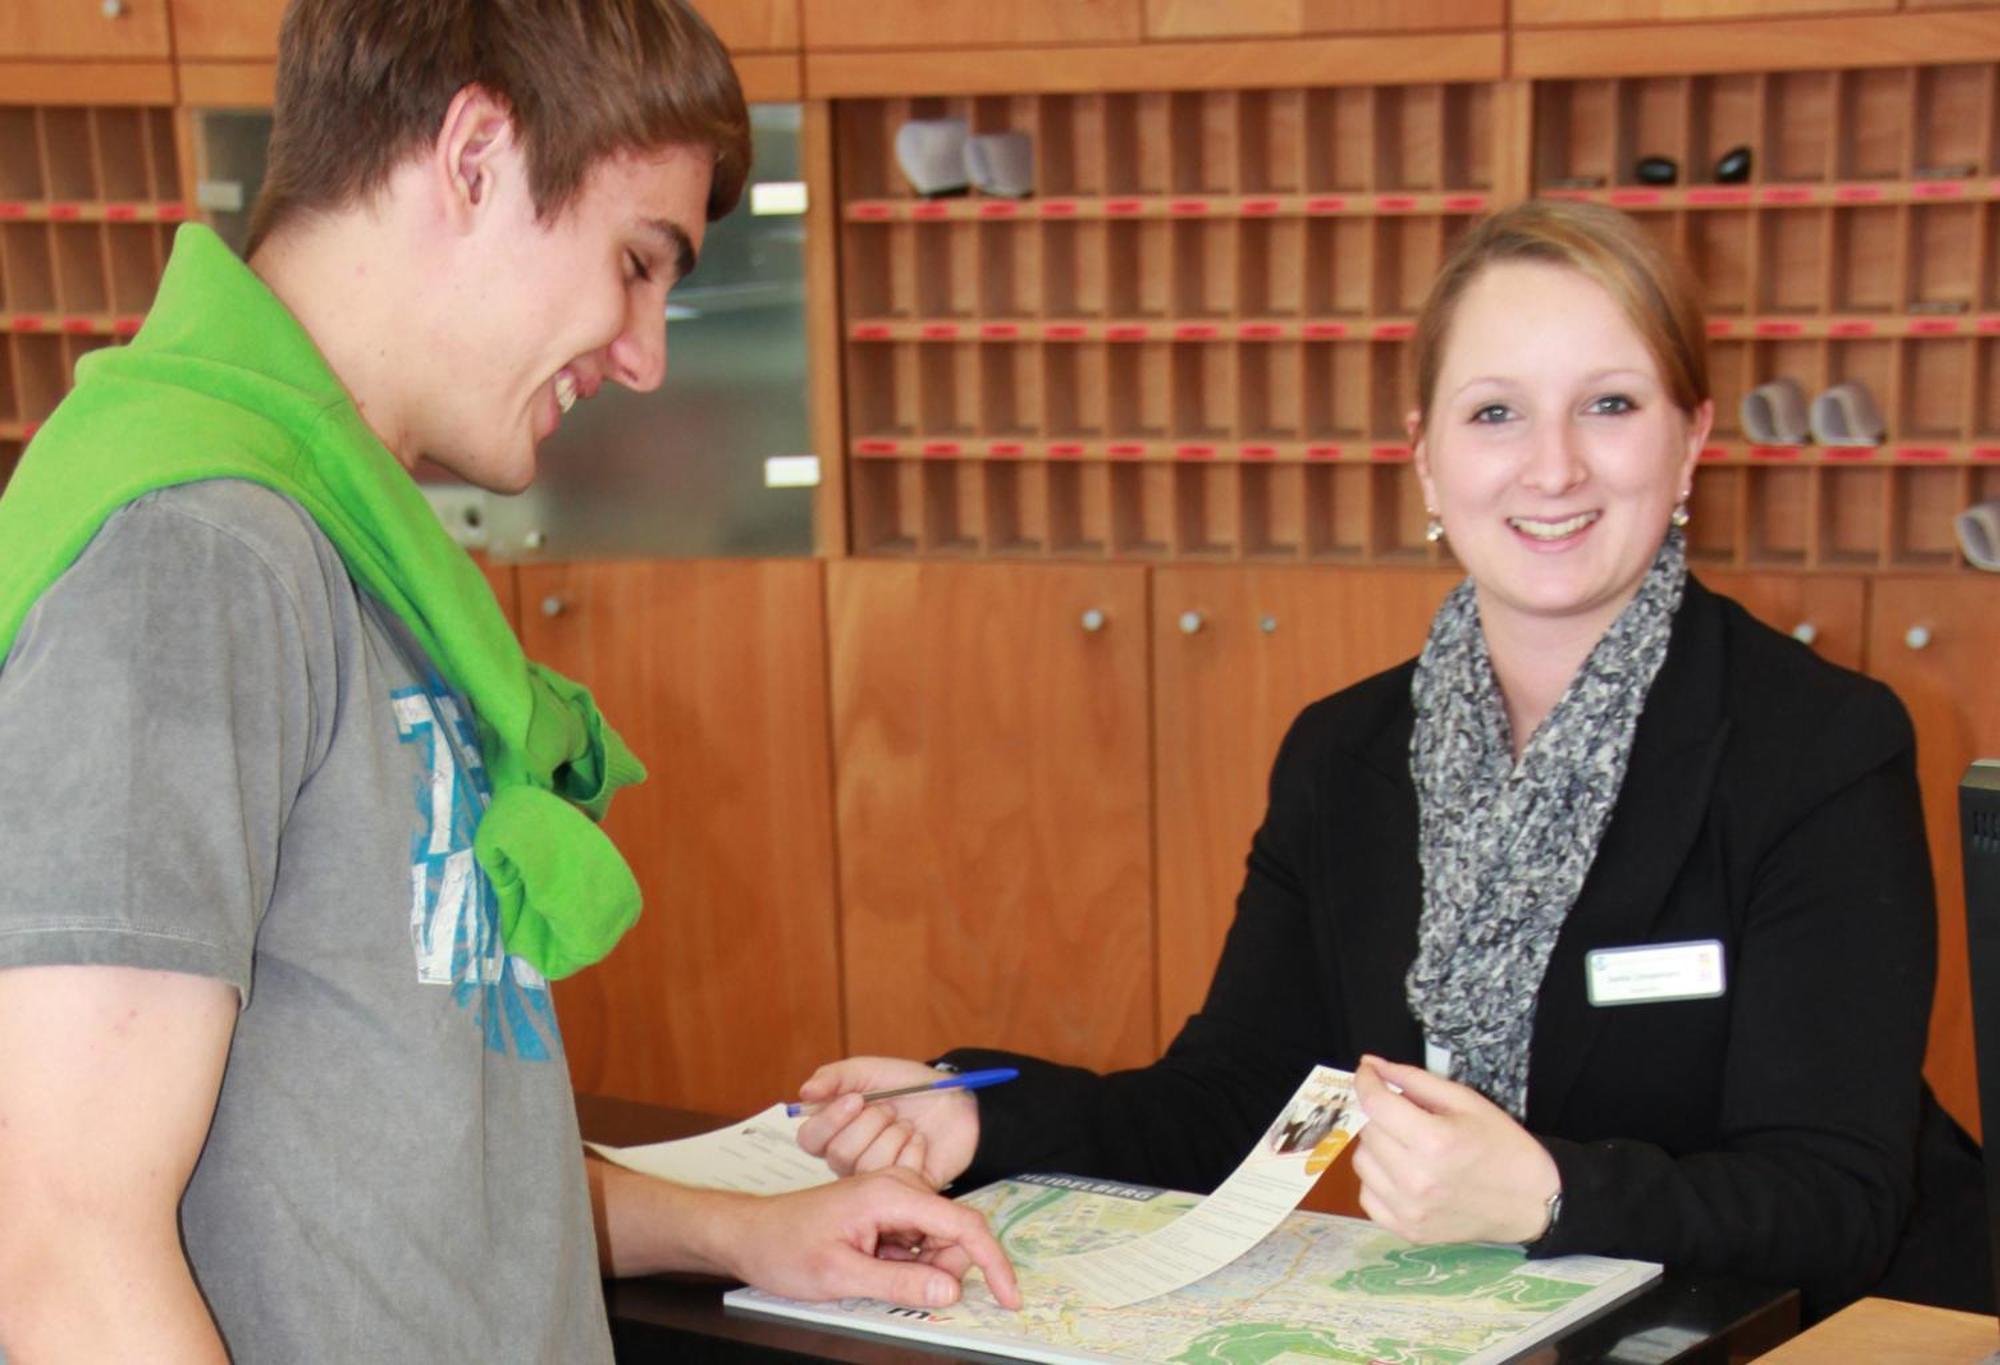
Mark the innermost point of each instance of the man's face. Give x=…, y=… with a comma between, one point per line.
x=540, y=315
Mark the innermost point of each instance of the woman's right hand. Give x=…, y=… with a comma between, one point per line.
x=934, y=1135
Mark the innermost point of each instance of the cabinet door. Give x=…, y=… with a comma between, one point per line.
x=234, y=29
x=992, y=799
x=1935, y=641
x=753, y=25
x=1822, y=610
x=506, y=587
x=1236, y=654
x=725, y=995
x=832, y=24
x=83, y=28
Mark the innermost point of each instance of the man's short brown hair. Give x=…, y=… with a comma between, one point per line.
x=364, y=84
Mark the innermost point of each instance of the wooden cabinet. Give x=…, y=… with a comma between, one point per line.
x=1236, y=654
x=992, y=793
x=1825, y=611
x=726, y=994
x=37, y=29
x=944, y=24
x=1935, y=641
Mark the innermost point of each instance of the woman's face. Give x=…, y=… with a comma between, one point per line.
x=1552, y=452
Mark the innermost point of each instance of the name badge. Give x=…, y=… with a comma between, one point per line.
x=1654, y=972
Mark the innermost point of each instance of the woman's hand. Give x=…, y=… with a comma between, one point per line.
x=1439, y=1162
x=933, y=1135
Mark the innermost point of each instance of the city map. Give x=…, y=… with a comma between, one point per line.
x=1319, y=1288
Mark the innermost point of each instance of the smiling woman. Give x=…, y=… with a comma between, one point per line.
x=1564, y=402
x=1593, y=755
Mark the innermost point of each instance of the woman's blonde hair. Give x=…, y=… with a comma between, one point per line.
x=1604, y=245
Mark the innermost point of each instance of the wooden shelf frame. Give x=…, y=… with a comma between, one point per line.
x=89, y=195
x=1192, y=342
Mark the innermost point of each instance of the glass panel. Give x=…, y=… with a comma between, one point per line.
x=674, y=473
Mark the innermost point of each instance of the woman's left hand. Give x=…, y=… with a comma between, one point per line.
x=1439, y=1162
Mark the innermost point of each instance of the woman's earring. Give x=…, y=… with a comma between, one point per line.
x=1681, y=517
x=1434, y=529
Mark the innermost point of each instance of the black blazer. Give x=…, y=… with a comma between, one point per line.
x=1770, y=802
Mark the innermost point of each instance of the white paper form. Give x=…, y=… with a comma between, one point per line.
x=1310, y=1132
x=759, y=1155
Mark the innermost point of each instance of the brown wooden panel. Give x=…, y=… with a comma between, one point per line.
x=754, y=25
x=1887, y=1330
x=240, y=29
x=943, y=24
x=1286, y=18
x=28, y=82
x=229, y=85
x=1223, y=698
x=823, y=333
x=1757, y=45
x=992, y=798
x=1834, y=606
x=726, y=994
x=1656, y=11
x=1947, y=683
x=770, y=77
x=83, y=28
x=1249, y=65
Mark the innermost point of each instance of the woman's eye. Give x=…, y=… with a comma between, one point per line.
x=638, y=268
x=1491, y=413
x=1613, y=404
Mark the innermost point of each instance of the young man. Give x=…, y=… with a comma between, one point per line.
x=290, y=829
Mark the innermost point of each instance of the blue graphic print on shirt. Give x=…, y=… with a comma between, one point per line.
x=454, y=920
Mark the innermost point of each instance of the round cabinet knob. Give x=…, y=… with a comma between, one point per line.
x=554, y=605
x=1805, y=632
x=533, y=540
x=1268, y=624
x=1917, y=637
x=113, y=9
x=1191, y=622
x=1093, y=620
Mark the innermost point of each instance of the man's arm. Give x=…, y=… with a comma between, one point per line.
x=820, y=1243
x=108, y=1082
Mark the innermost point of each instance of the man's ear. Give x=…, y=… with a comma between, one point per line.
x=469, y=155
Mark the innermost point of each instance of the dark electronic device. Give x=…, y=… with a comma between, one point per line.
x=1734, y=167
x=1658, y=170
x=1979, y=844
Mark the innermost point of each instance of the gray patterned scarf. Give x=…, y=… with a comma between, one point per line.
x=1505, y=845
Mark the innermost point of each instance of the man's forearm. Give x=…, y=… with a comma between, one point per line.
x=647, y=1226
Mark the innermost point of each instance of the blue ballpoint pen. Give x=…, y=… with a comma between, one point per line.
x=966, y=1080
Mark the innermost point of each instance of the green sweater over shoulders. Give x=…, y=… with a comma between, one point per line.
x=223, y=383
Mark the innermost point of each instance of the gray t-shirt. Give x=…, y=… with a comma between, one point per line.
x=218, y=756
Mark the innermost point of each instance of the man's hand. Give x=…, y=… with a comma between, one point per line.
x=933, y=1134
x=1439, y=1162
x=881, y=1236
